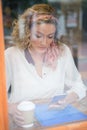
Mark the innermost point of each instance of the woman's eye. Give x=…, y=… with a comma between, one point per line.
x=38, y=36
x=50, y=37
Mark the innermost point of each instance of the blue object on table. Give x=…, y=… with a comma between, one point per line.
x=52, y=117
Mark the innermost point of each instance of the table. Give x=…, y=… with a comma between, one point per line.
x=80, y=125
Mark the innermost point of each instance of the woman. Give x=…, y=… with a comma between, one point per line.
x=39, y=66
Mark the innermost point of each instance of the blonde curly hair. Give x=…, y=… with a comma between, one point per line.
x=22, y=26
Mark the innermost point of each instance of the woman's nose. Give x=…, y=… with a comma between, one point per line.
x=44, y=41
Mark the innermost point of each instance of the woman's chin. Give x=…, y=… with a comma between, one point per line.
x=40, y=51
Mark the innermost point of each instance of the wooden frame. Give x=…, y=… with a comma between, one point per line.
x=3, y=95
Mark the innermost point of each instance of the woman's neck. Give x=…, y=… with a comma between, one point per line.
x=38, y=60
x=37, y=57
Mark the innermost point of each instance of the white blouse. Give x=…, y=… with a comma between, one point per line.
x=26, y=84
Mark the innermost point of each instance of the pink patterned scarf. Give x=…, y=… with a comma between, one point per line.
x=51, y=56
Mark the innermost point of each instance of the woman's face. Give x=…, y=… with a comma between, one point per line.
x=42, y=36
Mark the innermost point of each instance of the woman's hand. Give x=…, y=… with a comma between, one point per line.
x=61, y=104
x=15, y=114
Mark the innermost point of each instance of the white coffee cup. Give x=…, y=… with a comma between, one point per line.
x=27, y=108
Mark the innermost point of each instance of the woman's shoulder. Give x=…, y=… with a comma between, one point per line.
x=64, y=46
x=64, y=49
x=12, y=50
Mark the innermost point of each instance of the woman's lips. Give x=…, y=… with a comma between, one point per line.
x=42, y=48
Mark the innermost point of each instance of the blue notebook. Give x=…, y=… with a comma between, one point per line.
x=52, y=117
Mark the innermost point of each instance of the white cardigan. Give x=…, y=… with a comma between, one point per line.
x=26, y=84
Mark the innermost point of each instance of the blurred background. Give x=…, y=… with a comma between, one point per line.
x=72, y=28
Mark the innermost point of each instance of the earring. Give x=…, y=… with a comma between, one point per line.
x=29, y=44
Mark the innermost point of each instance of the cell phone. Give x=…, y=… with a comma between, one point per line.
x=54, y=103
